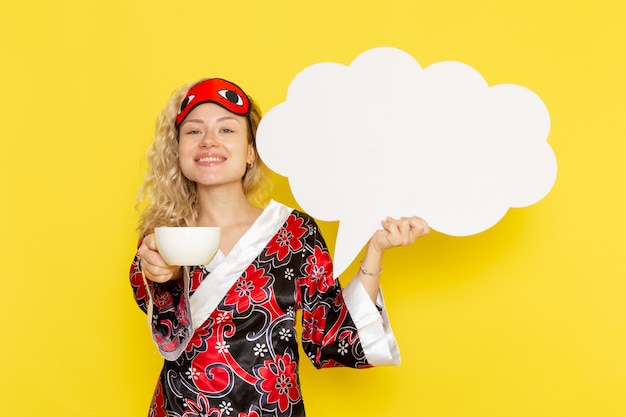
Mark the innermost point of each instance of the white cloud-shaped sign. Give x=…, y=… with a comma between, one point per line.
x=386, y=137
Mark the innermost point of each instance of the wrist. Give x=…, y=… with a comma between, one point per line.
x=177, y=273
x=374, y=250
x=369, y=272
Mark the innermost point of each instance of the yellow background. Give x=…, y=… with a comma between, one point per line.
x=525, y=319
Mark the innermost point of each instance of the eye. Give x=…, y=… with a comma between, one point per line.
x=192, y=132
x=186, y=102
x=231, y=96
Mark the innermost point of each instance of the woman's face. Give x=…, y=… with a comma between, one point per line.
x=213, y=146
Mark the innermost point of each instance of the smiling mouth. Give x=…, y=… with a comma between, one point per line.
x=210, y=159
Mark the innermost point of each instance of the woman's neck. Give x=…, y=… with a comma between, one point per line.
x=225, y=207
x=229, y=210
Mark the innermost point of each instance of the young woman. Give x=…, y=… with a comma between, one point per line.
x=227, y=329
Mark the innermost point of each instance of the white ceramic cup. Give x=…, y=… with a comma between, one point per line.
x=187, y=245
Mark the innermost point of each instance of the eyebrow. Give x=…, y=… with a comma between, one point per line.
x=221, y=119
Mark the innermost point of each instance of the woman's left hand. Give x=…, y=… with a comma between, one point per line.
x=398, y=232
x=395, y=232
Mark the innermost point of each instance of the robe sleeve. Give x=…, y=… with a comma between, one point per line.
x=340, y=327
x=377, y=338
x=167, y=308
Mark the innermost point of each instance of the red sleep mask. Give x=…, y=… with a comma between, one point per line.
x=218, y=91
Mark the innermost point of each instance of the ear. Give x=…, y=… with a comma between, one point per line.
x=251, y=154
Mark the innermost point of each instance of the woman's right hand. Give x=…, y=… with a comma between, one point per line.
x=152, y=264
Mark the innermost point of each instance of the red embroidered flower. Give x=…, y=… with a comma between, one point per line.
x=200, y=408
x=279, y=382
x=137, y=283
x=156, y=408
x=319, y=269
x=288, y=238
x=251, y=287
x=200, y=338
x=163, y=300
x=313, y=324
x=250, y=414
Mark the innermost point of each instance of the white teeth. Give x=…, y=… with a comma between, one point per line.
x=209, y=159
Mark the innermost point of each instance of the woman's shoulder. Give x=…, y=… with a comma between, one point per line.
x=295, y=220
x=293, y=213
x=304, y=217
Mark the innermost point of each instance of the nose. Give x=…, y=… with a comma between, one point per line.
x=208, y=140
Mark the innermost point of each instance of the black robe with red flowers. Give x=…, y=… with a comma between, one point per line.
x=227, y=329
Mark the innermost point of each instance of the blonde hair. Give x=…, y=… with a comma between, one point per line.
x=170, y=199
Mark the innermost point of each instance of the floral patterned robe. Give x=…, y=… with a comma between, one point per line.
x=227, y=329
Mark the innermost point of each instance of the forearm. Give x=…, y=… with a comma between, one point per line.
x=369, y=271
x=394, y=233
